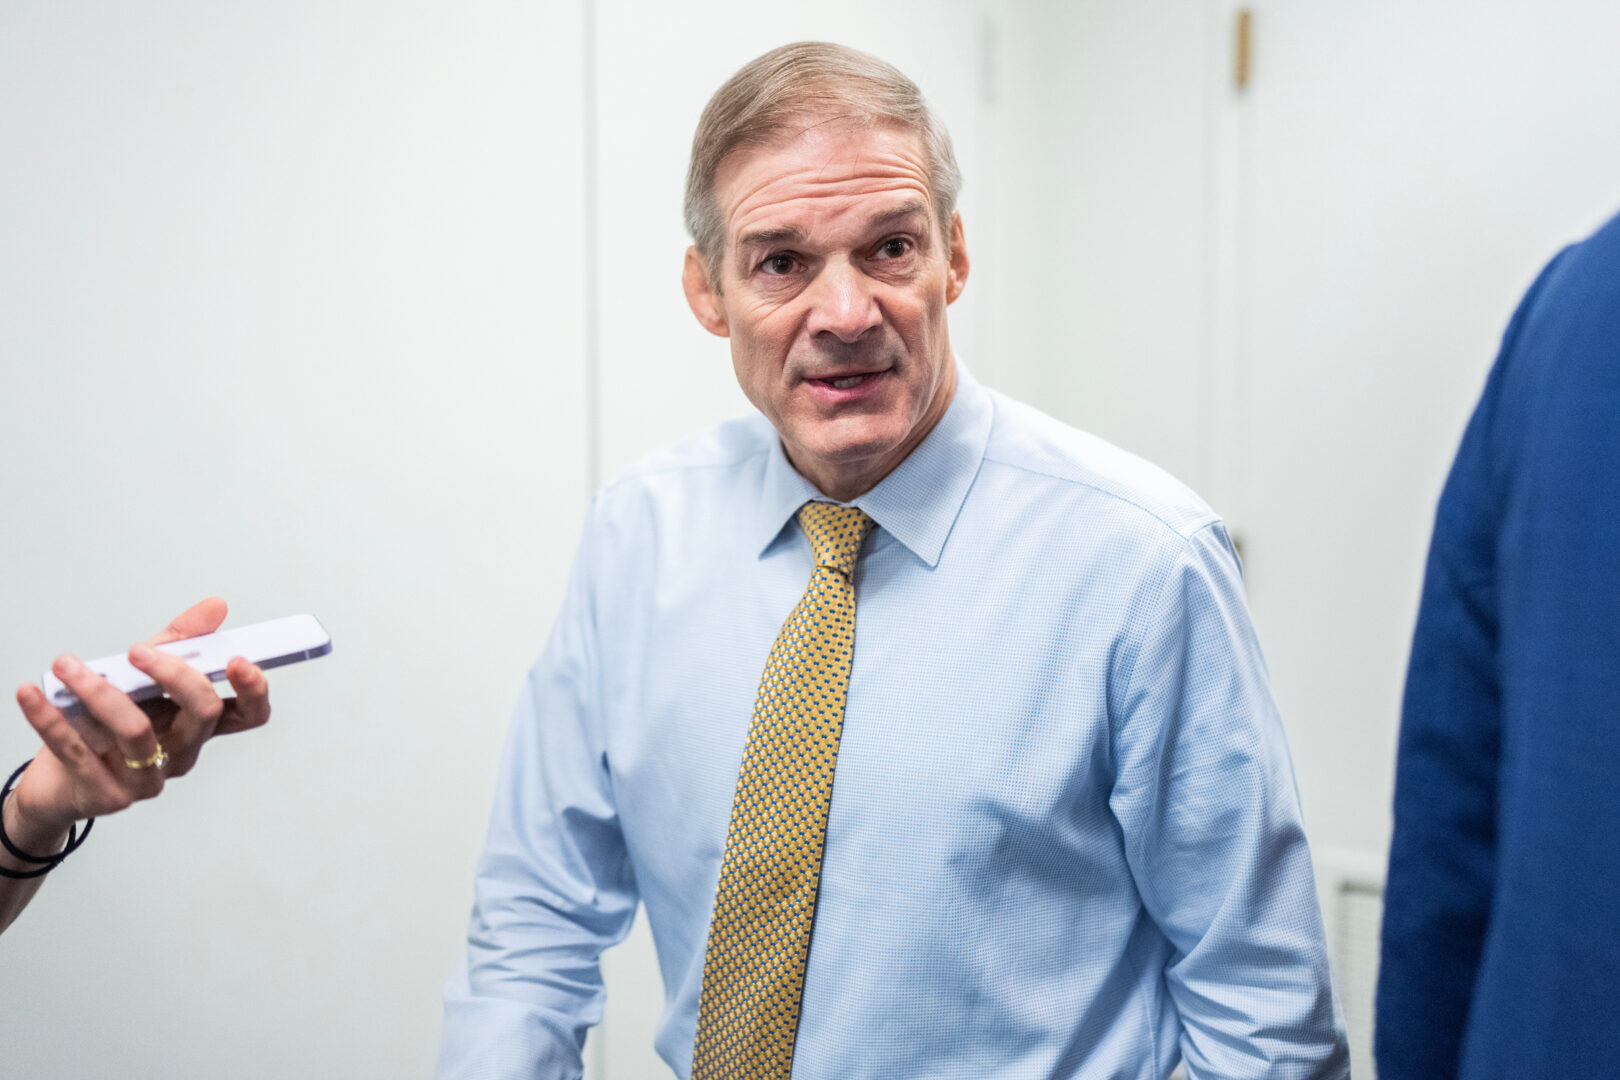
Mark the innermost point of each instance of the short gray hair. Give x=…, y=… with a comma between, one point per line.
x=808, y=79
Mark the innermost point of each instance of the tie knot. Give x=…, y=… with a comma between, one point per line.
x=835, y=533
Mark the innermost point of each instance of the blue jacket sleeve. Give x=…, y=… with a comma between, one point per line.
x=1442, y=856
x=554, y=886
x=1445, y=864
x=1205, y=796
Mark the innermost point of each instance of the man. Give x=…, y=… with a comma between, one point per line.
x=1501, y=925
x=1063, y=840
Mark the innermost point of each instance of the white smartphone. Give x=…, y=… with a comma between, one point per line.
x=268, y=644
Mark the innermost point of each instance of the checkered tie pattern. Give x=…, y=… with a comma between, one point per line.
x=759, y=940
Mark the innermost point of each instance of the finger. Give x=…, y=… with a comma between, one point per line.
x=251, y=706
x=200, y=618
x=199, y=706
x=91, y=731
x=131, y=730
x=162, y=713
x=181, y=763
x=76, y=757
x=186, y=686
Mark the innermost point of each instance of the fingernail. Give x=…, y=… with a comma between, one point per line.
x=68, y=665
x=141, y=654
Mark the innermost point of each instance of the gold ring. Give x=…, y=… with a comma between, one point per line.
x=156, y=761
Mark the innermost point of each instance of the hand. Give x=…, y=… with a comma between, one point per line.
x=82, y=772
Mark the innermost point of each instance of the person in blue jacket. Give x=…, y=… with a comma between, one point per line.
x=1501, y=937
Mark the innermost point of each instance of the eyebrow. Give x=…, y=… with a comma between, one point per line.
x=763, y=237
x=905, y=209
x=789, y=234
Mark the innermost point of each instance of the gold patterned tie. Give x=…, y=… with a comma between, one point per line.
x=759, y=940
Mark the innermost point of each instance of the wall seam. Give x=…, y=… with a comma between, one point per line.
x=593, y=351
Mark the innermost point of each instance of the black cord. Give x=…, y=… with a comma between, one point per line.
x=46, y=863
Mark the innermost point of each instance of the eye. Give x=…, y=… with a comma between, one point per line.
x=777, y=264
x=895, y=247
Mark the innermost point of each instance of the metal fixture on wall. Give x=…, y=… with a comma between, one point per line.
x=1243, y=49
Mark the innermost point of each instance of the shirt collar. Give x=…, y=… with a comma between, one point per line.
x=919, y=501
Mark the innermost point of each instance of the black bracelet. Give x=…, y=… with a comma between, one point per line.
x=47, y=863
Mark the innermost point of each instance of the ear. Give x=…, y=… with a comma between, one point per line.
x=956, y=274
x=701, y=297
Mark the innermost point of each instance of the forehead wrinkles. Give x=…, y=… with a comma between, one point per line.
x=797, y=179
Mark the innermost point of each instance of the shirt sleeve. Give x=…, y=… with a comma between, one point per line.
x=554, y=886
x=1204, y=794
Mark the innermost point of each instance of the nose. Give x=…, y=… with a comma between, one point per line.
x=842, y=302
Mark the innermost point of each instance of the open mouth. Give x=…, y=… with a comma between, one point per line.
x=848, y=382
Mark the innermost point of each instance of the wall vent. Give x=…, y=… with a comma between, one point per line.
x=1351, y=886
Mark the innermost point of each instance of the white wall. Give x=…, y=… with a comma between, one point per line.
x=1412, y=166
x=1121, y=182
x=291, y=313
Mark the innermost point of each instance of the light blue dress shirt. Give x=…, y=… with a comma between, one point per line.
x=1064, y=838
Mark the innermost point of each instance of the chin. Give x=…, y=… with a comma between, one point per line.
x=853, y=451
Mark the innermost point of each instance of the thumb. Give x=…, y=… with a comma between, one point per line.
x=200, y=618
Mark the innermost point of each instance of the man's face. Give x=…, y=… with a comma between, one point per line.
x=834, y=283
